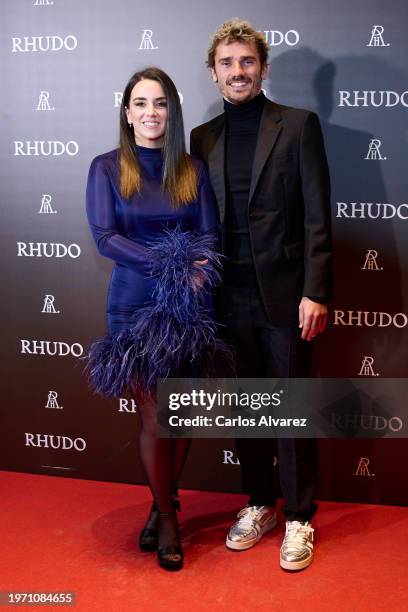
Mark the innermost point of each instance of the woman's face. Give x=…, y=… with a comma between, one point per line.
x=148, y=113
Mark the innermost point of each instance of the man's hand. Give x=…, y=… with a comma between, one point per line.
x=312, y=318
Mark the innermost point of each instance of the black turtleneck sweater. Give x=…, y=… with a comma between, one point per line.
x=242, y=125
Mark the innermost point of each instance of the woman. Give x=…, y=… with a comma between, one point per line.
x=144, y=200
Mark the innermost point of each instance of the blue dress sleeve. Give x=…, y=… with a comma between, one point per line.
x=100, y=208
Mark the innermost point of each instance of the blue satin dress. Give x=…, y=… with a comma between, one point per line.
x=123, y=229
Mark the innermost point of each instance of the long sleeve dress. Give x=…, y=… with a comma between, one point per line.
x=124, y=230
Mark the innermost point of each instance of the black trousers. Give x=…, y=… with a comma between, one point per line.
x=267, y=351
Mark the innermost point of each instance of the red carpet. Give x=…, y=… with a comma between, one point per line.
x=61, y=534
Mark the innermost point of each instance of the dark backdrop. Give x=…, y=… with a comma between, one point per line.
x=64, y=65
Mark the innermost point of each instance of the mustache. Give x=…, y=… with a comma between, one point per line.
x=239, y=80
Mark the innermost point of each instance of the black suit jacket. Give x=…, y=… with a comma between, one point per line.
x=288, y=208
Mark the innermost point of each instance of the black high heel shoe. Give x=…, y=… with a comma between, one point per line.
x=149, y=537
x=171, y=557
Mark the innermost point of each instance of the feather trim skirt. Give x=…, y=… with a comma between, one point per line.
x=173, y=336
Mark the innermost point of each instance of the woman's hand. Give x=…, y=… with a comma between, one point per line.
x=199, y=276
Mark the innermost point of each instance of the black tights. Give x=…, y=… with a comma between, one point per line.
x=163, y=458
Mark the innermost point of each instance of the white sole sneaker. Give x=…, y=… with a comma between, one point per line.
x=296, y=565
x=296, y=551
x=236, y=545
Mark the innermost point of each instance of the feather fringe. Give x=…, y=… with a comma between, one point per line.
x=173, y=336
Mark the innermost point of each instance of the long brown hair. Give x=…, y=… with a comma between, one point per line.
x=179, y=175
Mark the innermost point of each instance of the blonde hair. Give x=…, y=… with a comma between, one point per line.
x=237, y=30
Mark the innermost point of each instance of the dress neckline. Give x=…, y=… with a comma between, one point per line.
x=149, y=151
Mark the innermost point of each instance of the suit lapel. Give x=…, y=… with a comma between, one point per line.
x=269, y=129
x=216, y=163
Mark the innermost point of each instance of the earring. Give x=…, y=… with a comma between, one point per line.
x=130, y=124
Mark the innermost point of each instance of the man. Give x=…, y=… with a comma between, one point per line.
x=268, y=169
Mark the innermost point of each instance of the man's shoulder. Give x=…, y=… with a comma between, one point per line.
x=208, y=126
x=288, y=112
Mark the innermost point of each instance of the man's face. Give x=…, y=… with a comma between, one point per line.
x=238, y=71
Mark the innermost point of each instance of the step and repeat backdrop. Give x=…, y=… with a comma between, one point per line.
x=64, y=64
